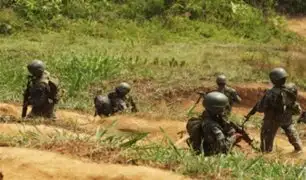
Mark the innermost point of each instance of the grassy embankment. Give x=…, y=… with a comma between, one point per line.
x=158, y=46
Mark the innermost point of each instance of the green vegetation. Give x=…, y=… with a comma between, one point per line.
x=125, y=149
x=172, y=45
x=166, y=49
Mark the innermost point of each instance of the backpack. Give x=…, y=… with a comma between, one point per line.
x=54, y=89
x=194, y=129
x=279, y=100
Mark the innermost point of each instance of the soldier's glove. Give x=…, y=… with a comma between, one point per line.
x=238, y=137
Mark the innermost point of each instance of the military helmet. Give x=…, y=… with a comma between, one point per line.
x=36, y=67
x=123, y=88
x=215, y=101
x=277, y=74
x=221, y=79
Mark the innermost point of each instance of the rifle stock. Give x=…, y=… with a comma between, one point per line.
x=201, y=94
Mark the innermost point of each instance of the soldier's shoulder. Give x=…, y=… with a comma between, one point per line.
x=128, y=96
x=112, y=95
x=209, y=122
x=230, y=89
x=274, y=90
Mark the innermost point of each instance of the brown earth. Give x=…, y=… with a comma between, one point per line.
x=18, y=163
x=50, y=166
x=298, y=25
x=19, y=129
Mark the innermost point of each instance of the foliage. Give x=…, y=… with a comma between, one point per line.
x=236, y=16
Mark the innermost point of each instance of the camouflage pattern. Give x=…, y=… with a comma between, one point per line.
x=122, y=103
x=210, y=132
x=219, y=137
x=302, y=118
x=194, y=129
x=278, y=110
x=114, y=102
x=39, y=90
x=232, y=95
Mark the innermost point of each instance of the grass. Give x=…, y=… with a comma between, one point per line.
x=125, y=149
x=87, y=65
x=166, y=57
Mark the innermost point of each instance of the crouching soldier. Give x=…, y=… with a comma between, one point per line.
x=210, y=132
x=117, y=101
x=41, y=92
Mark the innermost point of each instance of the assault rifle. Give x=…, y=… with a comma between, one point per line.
x=201, y=95
x=245, y=136
x=26, y=95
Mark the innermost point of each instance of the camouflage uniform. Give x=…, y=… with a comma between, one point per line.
x=231, y=93
x=117, y=101
x=120, y=104
x=278, y=108
x=302, y=118
x=38, y=94
x=211, y=132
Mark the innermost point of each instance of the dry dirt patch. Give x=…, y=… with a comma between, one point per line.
x=17, y=163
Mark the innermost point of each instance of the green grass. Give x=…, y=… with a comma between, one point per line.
x=87, y=65
x=92, y=47
x=163, y=54
x=124, y=149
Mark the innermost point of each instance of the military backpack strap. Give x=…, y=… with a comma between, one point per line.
x=53, y=84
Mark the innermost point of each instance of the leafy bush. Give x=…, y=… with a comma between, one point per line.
x=237, y=16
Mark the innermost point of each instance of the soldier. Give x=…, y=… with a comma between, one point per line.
x=231, y=93
x=279, y=104
x=116, y=101
x=302, y=118
x=210, y=131
x=5, y=29
x=41, y=92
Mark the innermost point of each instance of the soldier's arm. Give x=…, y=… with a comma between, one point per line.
x=235, y=96
x=133, y=104
x=253, y=110
x=296, y=109
x=223, y=142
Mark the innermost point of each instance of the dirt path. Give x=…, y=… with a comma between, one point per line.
x=298, y=25
x=123, y=123
x=42, y=130
x=17, y=163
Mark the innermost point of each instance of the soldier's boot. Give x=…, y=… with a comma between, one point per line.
x=293, y=137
